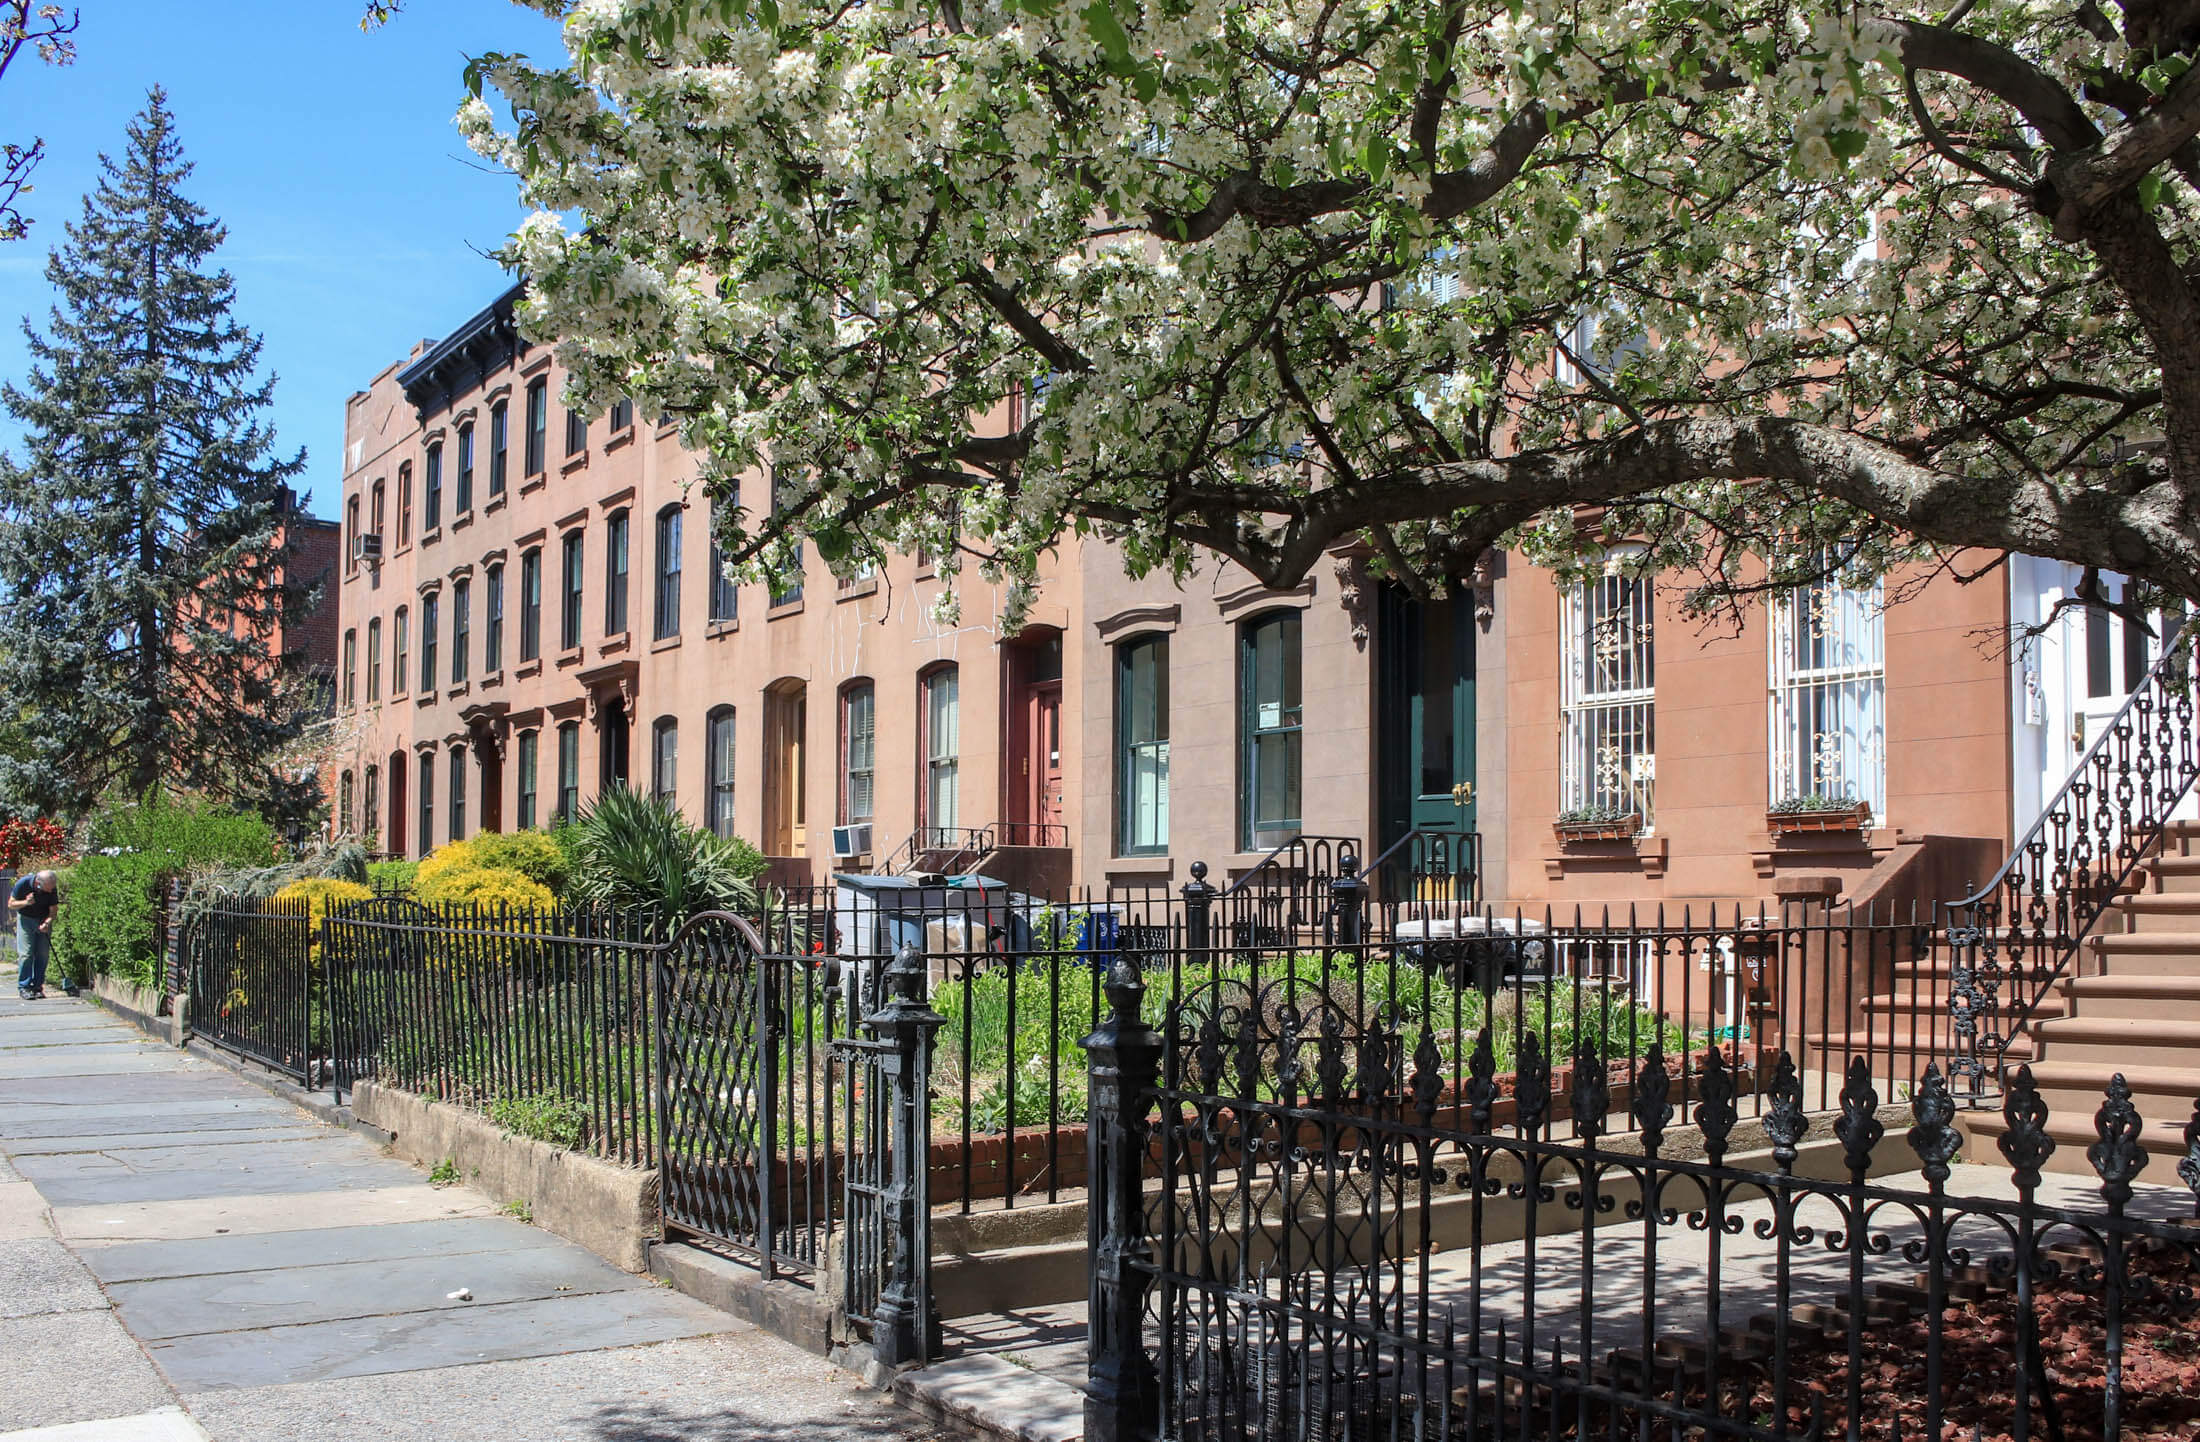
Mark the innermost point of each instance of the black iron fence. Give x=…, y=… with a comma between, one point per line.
x=1342, y=1245
x=251, y=969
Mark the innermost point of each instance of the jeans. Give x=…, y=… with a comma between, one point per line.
x=34, y=946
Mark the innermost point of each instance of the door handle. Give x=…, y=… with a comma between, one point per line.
x=2077, y=730
x=1463, y=794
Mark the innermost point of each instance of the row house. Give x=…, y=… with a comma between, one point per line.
x=533, y=610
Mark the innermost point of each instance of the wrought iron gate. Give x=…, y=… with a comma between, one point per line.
x=250, y=966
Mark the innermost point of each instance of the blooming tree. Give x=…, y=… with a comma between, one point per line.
x=1759, y=277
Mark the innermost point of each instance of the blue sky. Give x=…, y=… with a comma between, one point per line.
x=358, y=221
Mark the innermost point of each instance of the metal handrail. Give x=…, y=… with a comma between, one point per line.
x=1469, y=850
x=2063, y=872
x=1345, y=846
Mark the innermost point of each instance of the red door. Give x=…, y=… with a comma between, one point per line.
x=1046, y=759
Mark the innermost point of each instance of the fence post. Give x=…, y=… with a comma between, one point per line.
x=1198, y=897
x=177, y=982
x=1348, y=901
x=905, y=1328
x=1122, y=1390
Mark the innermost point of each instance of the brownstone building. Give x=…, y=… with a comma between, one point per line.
x=532, y=610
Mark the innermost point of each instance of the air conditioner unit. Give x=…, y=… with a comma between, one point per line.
x=852, y=840
x=369, y=547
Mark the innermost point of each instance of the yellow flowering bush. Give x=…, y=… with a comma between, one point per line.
x=323, y=894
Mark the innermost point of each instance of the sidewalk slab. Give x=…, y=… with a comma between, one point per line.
x=315, y=1247
x=150, y=1141
x=293, y=1212
x=168, y=1424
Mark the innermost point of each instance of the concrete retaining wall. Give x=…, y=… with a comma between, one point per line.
x=144, y=1007
x=609, y=1209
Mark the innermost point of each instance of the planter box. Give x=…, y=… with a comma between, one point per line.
x=1623, y=828
x=1802, y=823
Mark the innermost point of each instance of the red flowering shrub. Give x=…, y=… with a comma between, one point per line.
x=22, y=840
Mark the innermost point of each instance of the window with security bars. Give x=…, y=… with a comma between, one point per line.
x=942, y=749
x=1608, y=696
x=1828, y=740
x=858, y=754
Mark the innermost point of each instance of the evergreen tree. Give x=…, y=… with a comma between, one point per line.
x=141, y=535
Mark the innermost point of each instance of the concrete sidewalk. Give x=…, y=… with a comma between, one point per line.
x=184, y=1256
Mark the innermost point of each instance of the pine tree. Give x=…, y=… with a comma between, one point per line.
x=141, y=538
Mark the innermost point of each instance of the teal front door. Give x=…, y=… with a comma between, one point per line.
x=1426, y=695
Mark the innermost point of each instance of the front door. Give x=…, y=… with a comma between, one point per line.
x=1427, y=710
x=1046, y=758
x=786, y=721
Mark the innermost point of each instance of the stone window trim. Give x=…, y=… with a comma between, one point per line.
x=426, y=698
x=577, y=521
x=571, y=656
x=617, y=439
x=503, y=392
x=613, y=644
x=1141, y=868
x=493, y=678
x=1249, y=601
x=434, y=436
x=784, y=610
x=429, y=585
x=1161, y=620
x=429, y=538
x=494, y=504
x=494, y=557
x=566, y=709
x=530, y=369
x=856, y=589
x=464, y=418
x=612, y=502
x=667, y=644
x=459, y=690
x=462, y=570
x=527, y=670
x=531, y=540
x=462, y=520
x=714, y=629
x=578, y=461
x=533, y=481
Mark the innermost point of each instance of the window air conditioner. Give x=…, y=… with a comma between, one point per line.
x=369, y=547
x=852, y=840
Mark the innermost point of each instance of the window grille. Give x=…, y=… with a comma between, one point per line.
x=1608, y=713
x=943, y=749
x=1829, y=695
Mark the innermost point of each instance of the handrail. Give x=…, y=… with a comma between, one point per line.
x=2108, y=816
x=1309, y=845
x=1468, y=851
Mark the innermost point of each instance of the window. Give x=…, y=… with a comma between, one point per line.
x=375, y=512
x=668, y=573
x=1829, y=695
x=724, y=595
x=431, y=622
x=1142, y=747
x=786, y=591
x=431, y=491
x=1268, y=730
x=492, y=628
x=942, y=748
x=462, y=627
x=527, y=760
x=462, y=490
x=858, y=753
x=343, y=806
x=530, y=604
x=718, y=763
x=371, y=804
x=664, y=757
x=569, y=770
x=351, y=535
x=576, y=433
x=614, y=575
x=405, y=504
x=500, y=442
x=538, y=426
x=458, y=793
x=1608, y=689
x=351, y=668
x=569, y=613
x=374, y=660
x=1584, y=338
x=622, y=416
x=427, y=802
x=399, y=657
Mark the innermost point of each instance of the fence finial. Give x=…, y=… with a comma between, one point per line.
x=2118, y=1155
x=1933, y=1136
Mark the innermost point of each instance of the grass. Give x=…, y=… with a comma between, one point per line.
x=544, y=1116
x=445, y=1174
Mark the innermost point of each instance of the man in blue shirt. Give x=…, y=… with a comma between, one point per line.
x=33, y=903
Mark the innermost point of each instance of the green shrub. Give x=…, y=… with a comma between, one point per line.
x=545, y=1116
x=110, y=906
x=392, y=877
x=638, y=853
x=534, y=854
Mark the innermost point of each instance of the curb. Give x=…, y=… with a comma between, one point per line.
x=987, y=1397
x=269, y=1080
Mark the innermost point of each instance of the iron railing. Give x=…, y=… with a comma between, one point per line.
x=1428, y=871
x=2014, y=939
x=250, y=966
x=543, y=1020
x=1344, y=1244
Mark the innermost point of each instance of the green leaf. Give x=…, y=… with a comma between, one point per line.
x=1099, y=18
x=1847, y=144
x=2151, y=190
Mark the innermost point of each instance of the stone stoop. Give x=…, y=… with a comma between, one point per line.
x=2133, y=1007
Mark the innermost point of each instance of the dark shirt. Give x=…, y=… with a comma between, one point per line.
x=41, y=902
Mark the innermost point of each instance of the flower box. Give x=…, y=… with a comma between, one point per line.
x=1800, y=823
x=1608, y=828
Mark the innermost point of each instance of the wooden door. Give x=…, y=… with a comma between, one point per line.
x=1045, y=731
x=786, y=831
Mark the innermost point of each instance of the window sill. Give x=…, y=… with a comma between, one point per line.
x=722, y=628
x=461, y=689
x=618, y=439
x=463, y=520
x=403, y=548
x=534, y=482
x=571, y=656
x=784, y=609
x=526, y=669
x=578, y=461
x=430, y=537
x=616, y=642
x=665, y=643
x=425, y=698
x=494, y=504
x=493, y=678
x=1142, y=868
x=855, y=590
